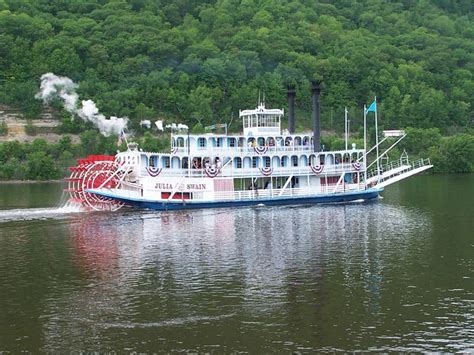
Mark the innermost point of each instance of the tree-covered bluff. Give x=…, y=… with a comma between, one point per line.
x=199, y=62
x=205, y=60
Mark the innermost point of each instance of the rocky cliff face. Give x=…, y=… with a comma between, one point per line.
x=44, y=126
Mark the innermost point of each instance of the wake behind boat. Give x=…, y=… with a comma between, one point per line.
x=262, y=165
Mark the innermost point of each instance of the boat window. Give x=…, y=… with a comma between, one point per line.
x=266, y=162
x=276, y=161
x=197, y=163
x=184, y=163
x=202, y=142
x=153, y=160
x=303, y=160
x=166, y=162
x=322, y=159
x=254, y=120
x=247, y=121
x=294, y=160
x=231, y=142
x=254, y=162
x=238, y=163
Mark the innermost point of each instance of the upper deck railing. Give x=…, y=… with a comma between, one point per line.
x=231, y=171
x=236, y=151
x=253, y=151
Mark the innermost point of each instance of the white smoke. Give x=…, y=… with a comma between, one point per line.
x=176, y=127
x=53, y=86
x=159, y=125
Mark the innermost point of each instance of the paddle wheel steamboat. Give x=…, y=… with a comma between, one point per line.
x=261, y=166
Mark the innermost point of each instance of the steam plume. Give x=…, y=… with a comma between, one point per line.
x=176, y=127
x=53, y=86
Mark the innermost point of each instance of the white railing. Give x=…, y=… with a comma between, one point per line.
x=397, y=164
x=288, y=192
x=231, y=171
x=135, y=191
x=251, y=151
x=238, y=151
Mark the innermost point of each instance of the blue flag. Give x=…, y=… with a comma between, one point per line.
x=373, y=107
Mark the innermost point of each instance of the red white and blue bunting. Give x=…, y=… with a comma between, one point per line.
x=318, y=169
x=212, y=171
x=266, y=171
x=261, y=149
x=357, y=166
x=153, y=172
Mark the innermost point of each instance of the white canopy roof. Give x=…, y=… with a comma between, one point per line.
x=261, y=110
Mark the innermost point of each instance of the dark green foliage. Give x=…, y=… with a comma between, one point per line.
x=151, y=143
x=418, y=140
x=199, y=62
x=70, y=125
x=94, y=143
x=204, y=60
x=454, y=155
x=330, y=142
x=41, y=166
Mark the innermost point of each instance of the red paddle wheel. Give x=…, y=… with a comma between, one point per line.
x=93, y=172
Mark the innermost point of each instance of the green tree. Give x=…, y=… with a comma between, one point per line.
x=41, y=166
x=458, y=154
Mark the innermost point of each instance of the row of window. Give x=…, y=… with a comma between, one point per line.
x=261, y=121
x=203, y=142
x=254, y=162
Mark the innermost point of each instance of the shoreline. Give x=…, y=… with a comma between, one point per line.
x=6, y=182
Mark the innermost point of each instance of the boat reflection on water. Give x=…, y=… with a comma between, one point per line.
x=95, y=247
x=257, y=247
x=260, y=265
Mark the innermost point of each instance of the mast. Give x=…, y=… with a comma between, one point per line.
x=345, y=125
x=365, y=146
x=377, y=141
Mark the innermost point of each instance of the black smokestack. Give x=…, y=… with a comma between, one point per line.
x=291, y=109
x=315, y=91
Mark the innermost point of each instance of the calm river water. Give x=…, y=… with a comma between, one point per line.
x=392, y=275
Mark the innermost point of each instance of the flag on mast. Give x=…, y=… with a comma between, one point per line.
x=373, y=107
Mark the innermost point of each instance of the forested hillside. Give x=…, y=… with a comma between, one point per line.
x=199, y=62
x=205, y=60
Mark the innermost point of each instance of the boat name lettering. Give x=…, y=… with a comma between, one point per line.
x=163, y=186
x=196, y=186
x=180, y=187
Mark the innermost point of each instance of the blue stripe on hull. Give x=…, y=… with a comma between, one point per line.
x=174, y=205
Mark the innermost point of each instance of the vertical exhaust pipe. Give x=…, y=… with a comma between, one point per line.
x=291, y=109
x=315, y=91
